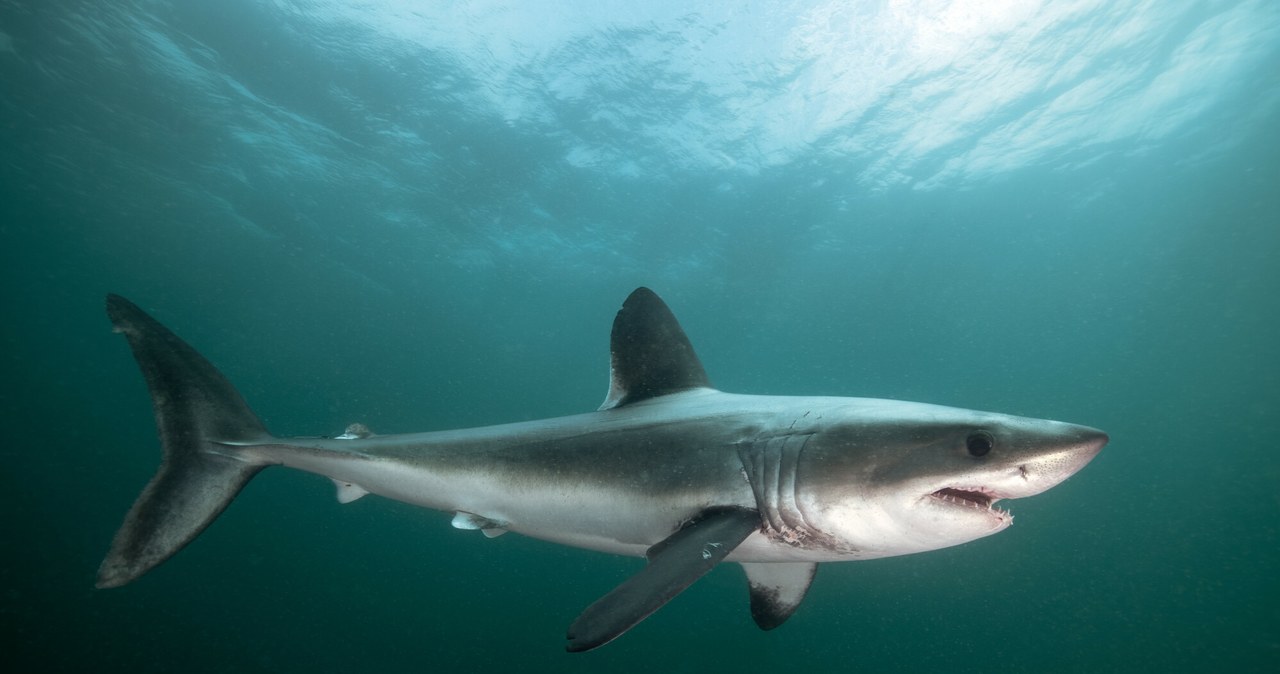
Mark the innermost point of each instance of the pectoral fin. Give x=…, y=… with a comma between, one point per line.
x=777, y=589
x=674, y=564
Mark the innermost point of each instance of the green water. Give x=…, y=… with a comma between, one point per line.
x=423, y=217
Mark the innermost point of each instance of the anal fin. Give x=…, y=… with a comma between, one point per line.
x=674, y=564
x=490, y=527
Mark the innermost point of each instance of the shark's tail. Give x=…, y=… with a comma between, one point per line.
x=201, y=418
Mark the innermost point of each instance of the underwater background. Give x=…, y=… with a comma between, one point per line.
x=424, y=215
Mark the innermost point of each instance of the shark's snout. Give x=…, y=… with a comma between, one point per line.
x=1072, y=449
x=1094, y=440
x=1085, y=445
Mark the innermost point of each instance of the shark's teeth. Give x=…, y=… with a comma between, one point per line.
x=974, y=497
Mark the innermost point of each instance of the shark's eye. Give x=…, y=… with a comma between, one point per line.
x=979, y=443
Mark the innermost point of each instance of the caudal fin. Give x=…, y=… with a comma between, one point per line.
x=200, y=417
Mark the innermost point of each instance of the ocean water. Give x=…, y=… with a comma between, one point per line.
x=423, y=215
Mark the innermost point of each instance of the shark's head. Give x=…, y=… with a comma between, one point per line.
x=907, y=477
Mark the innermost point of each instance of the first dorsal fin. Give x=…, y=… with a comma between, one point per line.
x=650, y=355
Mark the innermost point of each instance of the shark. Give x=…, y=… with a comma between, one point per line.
x=668, y=468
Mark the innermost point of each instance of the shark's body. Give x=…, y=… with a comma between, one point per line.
x=669, y=468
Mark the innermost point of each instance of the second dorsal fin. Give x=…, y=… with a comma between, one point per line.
x=650, y=355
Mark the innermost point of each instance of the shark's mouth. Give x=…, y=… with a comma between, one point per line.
x=974, y=497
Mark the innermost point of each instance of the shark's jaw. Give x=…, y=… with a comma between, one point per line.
x=974, y=497
x=972, y=500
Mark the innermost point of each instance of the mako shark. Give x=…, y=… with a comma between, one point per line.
x=668, y=468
